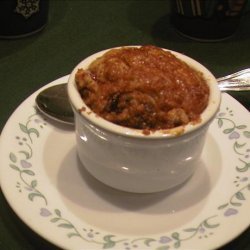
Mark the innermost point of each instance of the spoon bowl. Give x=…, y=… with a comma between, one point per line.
x=54, y=103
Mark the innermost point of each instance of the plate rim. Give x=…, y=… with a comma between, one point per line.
x=31, y=226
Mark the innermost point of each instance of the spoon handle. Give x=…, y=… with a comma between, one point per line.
x=239, y=81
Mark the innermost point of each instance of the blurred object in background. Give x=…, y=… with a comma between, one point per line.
x=20, y=18
x=207, y=20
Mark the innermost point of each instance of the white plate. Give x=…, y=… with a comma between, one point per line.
x=48, y=188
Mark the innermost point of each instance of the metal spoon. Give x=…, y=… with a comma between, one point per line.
x=54, y=103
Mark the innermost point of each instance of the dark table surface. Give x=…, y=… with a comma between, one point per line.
x=78, y=28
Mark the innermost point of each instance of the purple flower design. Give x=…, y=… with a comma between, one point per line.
x=230, y=212
x=165, y=239
x=234, y=135
x=243, y=179
x=45, y=212
x=25, y=164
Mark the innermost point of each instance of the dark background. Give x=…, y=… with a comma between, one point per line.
x=78, y=28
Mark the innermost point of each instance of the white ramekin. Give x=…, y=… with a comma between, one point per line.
x=129, y=160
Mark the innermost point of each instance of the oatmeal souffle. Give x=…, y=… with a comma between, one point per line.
x=143, y=88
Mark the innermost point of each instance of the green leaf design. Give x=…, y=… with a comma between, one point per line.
x=29, y=172
x=175, y=235
x=238, y=145
x=189, y=230
x=177, y=244
x=26, y=154
x=246, y=134
x=66, y=225
x=23, y=128
x=241, y=127
x=13, y=157
x=33, y=131
x=55, y=220
x=223, y=206
x=240, y=196
x=209, y=225
x=236, y=204
x=33, y=184
x=220, y=123
x=228, y=130
x=148, y=241
x=58, y=212
x=108, y=242
x=70, y=235
x=33, y=195
x=243, y=169
x=14, y=167
x=108, y=237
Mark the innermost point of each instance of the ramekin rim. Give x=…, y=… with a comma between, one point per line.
x=81, y=109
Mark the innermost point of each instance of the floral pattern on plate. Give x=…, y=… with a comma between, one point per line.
x=31, y=129
x=238, y=134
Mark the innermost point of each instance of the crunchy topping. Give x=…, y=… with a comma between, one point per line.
x=144, y=88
